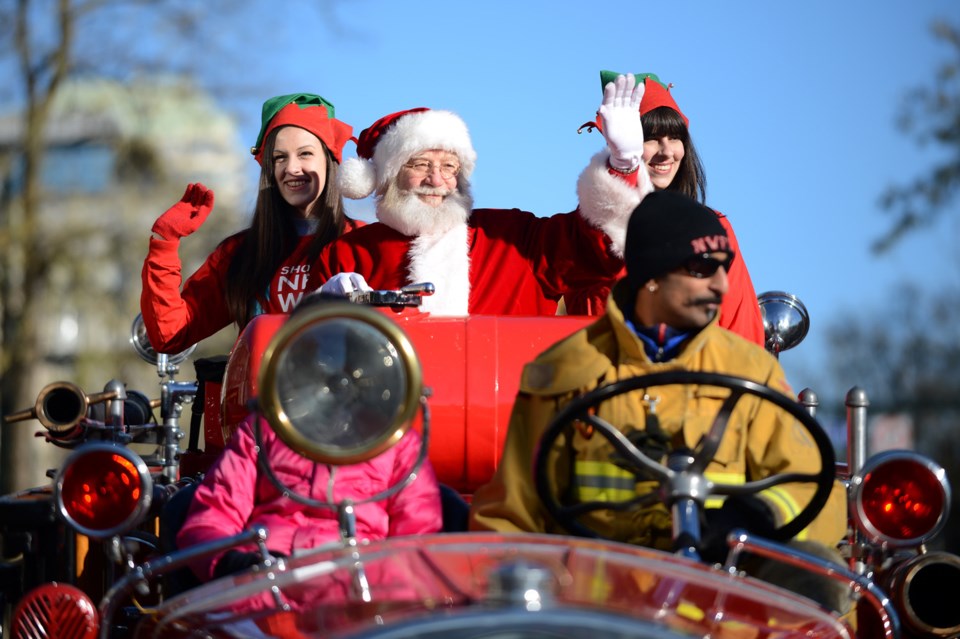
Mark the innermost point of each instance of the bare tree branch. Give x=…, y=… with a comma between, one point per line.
x=931, y=115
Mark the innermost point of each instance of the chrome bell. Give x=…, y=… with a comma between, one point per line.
x=785, y=320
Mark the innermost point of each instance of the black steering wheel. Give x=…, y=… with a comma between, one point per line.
x=683, y=476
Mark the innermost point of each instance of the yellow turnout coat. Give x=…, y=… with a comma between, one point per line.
x=760, y=439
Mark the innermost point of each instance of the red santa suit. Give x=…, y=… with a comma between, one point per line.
x=501, y=262
x=504, y=262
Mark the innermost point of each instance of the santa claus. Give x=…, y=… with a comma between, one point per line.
x=482, y=261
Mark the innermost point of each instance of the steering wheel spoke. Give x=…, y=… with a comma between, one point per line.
x=758, y=485
x=709, y=444
x=627, y=449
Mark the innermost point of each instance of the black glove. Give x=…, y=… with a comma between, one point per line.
x=652, y=442
x=746, y=512
x=235, y=561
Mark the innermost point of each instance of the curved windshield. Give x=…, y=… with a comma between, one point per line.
x=502, y=586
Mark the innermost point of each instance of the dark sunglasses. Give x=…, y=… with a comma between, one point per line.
x=705, y=265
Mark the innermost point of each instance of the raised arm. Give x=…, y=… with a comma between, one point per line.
x=176, y=319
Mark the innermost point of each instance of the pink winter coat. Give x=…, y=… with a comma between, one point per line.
x=235, y=496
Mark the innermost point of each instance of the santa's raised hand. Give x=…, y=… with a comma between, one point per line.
x=619, y=115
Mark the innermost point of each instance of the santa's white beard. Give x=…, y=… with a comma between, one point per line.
x=403, y=211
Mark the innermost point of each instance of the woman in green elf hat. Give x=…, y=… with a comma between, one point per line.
x=265, y=268
x=670, y=159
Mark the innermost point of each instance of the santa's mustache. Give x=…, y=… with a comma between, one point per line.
x=442, y=191
x=403, y=211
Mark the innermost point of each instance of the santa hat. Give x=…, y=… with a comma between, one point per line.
x=307, y=111
x=388, y=144
x=655, y=94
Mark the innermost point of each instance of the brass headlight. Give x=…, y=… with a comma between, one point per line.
x=339, y=383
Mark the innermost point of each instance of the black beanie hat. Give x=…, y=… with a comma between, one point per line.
x=664, y=231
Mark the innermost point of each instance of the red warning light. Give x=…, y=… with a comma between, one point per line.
x=902, y=499
x=102, y=489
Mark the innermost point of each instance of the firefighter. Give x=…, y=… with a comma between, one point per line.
x=662, y=316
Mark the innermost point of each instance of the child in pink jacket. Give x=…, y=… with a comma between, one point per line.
x=235, y=495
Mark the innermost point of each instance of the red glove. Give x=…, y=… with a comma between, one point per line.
x=187, y=215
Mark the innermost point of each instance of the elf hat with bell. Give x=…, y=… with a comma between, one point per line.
x=655, y=94
x=385, y=146
x=307, y=111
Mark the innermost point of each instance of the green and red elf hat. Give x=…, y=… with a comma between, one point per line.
x=309, y=112
x=656, y=94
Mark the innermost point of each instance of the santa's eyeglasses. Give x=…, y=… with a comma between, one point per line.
x=705, y=264
x=423, y=168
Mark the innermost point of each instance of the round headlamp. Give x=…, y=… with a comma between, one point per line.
x=339, y=382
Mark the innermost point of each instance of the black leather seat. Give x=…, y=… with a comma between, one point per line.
x=172, y=516
x=456, y=510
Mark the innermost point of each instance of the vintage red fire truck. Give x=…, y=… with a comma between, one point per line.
x=91, y=554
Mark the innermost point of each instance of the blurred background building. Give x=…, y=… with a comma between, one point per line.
x=116, y=156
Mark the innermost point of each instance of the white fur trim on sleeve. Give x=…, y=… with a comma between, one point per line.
x=356, y=178
x=606, y=202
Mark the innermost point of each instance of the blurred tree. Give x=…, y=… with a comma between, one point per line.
x=907, y=364
x=44, y=45
x=932, y=114
x=88, y=262
x=906, y=359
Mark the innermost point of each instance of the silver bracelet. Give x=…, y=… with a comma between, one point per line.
x=621, y=171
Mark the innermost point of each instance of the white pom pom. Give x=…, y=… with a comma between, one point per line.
x=357, y=178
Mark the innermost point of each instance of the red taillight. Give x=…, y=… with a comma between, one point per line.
x=103, y=490
x=54, y=611
x=900, y=498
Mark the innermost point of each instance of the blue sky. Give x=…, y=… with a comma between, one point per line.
x=792, y=107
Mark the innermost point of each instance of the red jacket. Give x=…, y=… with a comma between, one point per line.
x=177, y=319
x=602, y=190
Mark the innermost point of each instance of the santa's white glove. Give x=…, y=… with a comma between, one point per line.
x=343, y=284
x=620, y=115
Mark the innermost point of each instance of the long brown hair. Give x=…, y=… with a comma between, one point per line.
x=690, y=179
x=272, y=235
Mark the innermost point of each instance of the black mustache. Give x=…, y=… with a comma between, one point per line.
x=703, y=301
